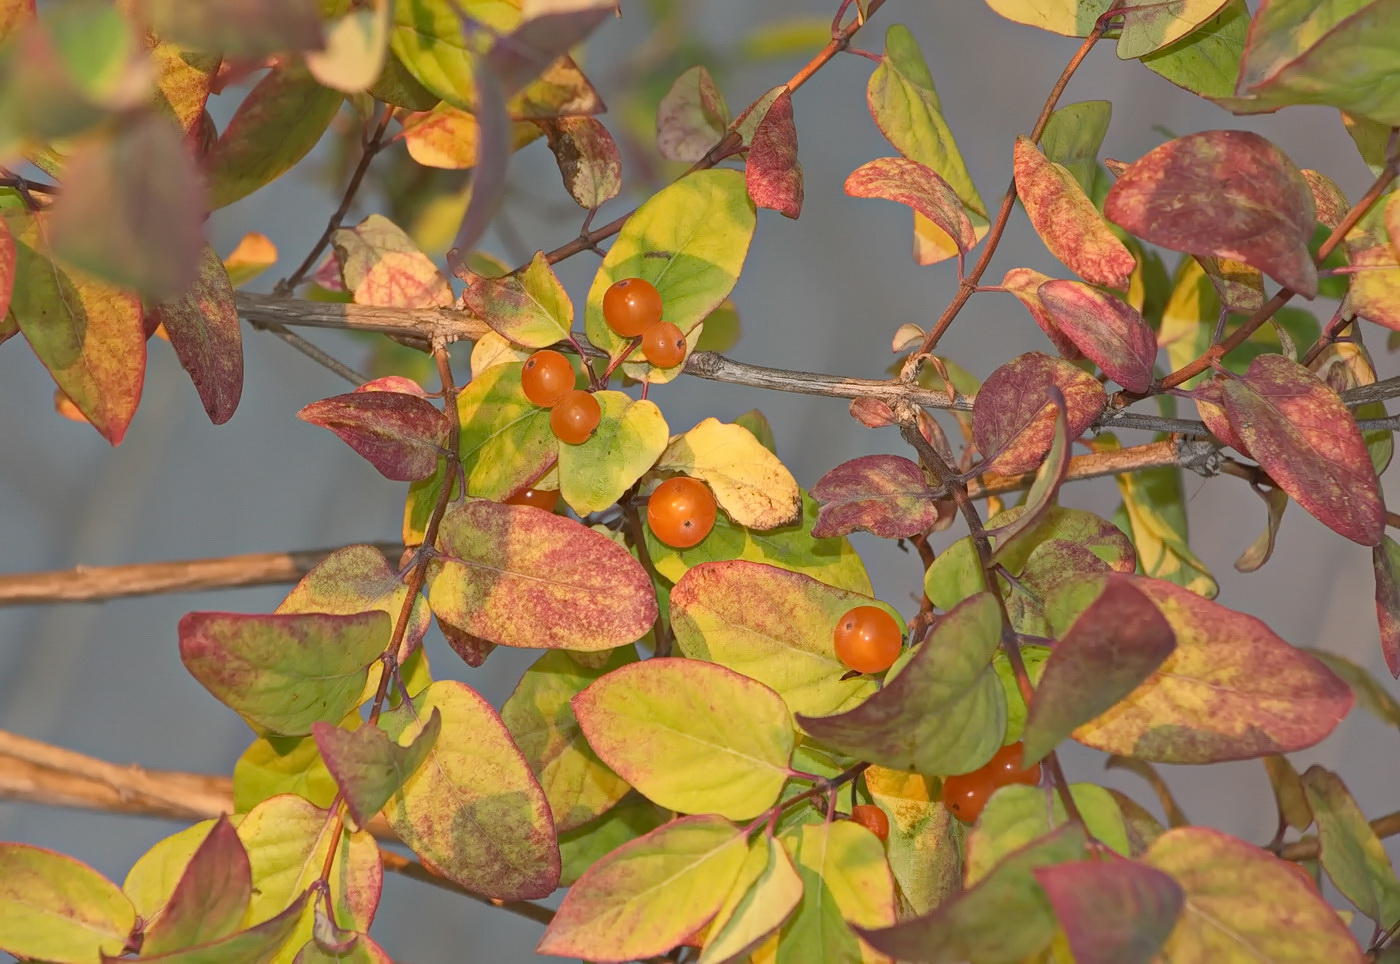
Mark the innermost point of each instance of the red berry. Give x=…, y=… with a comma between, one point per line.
x=575, y=416
x=663, y=344
x=868, y=639
x=631, y=306
x=546, y=377
x=546, y=499
x=872, y=818
x=681, y=512
x=966, y=794
x=1005, y=767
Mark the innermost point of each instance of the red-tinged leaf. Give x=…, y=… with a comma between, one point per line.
x=401, y=435
x=1013, y=422
x=773, y=173
x=1259, y=551
x=1106, y=329
x=540, y=716
x=520, y=577
x=884, y=494
x=210, y=899
x=921, y=188
x=1224, y=918
x=1013, y=534
x=560, y=91
x=1209, y=397
x=1239, y=287
x=54, y=908
x=1385, y=559
x=1228, y=193
x=7, y=271
x=1350, y=852
x=1232, y=689
x=1025, y=284
x=547, y=33
x=691, y=736
x=449, y=137
x=394, y=383
x=587, y=157
x=1375, y=287
x=530, y=308
x=1115, y=644
x=945, y=712
x=472, y=649
x=277, y=124
x=368, y=767
x=260, y=943
x=1299, y=431
x=691, y=117
x=492, y=156
x=1113, y=911
x=207, y=336
x=361, y=949
x=88, y=334
x=650, y=894
x=473, y=811
x=1067, y=221
x=132, y=209
x=238, y=27
x=284, y=672
x=1005, y=917
x=872, y=412
x=356, y=579
x=382, y=266
x=1329, y=200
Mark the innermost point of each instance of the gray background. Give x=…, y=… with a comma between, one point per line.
x=824, y=293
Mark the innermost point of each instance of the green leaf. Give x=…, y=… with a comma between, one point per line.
x=368, y=767
x=1073, y=136
x=473, y=810
x=1017, y=815
x=580, y=848
x=282, y=764
x=690, y=240
x=1224, y=918
x=516, y=576
x=761, y=898
x=773, y=626
x=1207, y=61
x=924, y=846
x=429, y=38
x=792, y=547
x=530, y=308
x=690, y=735
x=1155, y=507
x=505, y=440
x=627, y=442
x=278, y=124
x=274, y=941
x=577, y=784
x=905, y=106
x=1149, y=26
x=284, y=672
x=944, y=713
x=54, y=908
x=649, y=895
x=1351, y=853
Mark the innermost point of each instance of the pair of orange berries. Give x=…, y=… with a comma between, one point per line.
x=631, y=307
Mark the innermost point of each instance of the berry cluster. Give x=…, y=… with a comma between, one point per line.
x=966, y=794
x=632, y=308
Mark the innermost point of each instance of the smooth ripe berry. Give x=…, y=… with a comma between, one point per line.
x=575, y=416
x=681, y=512
x=868, y=639
x=1005, y=767
x=872, y=818
x=547, y=377
x=966, y=794
x=631, y=306
x=663, y=344
x=546, y=499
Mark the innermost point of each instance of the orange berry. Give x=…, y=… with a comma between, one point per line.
x=631, y=306
x=1005, y=767
x=663, y=344
x=681, y=512
x=872, y=818
x=575, y=416
x=868, y=639
x=966, y=794
x=547, y=377
x=546, y=499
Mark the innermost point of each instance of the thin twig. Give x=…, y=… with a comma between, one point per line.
x=317, y=355
x=95, y=583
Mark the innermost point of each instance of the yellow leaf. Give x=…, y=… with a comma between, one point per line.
x=748, y=481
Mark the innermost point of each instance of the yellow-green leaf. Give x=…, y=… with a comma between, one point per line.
x=56, y=909
x=630, y=436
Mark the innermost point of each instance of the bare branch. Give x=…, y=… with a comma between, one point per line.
x=94, y=583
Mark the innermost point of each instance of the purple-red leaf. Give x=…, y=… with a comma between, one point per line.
x=1299, y=431
x=1025, y=285
x=367, y=766
x=1106, y=329
x=207, y=337
x=1014, y=534
x=919, y=187
x=587, y=157
x=1067, y=221
x=1113, y=911
x=401, y=435
x=472, y=649
x=883, y=494
x=1386, y=560
x=211, y=898
x=1228, y=193
x=1013, y=422
x=1115, y=644
x=773, y=172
